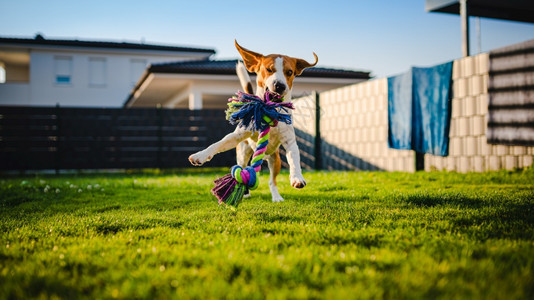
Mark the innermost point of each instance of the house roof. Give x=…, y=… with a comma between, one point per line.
x=227, y=67
x=39, y=40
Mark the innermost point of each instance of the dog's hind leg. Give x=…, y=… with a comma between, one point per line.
x=275, y=165
x=243, y=153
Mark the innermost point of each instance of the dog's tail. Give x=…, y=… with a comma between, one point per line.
x=244, y=79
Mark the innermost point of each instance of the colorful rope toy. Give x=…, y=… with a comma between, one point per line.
x=254, y=114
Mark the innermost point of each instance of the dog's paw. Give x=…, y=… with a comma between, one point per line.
x=199, y=158
x=277, y=198
x=297, y=181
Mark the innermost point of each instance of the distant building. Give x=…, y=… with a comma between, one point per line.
x=42, y=71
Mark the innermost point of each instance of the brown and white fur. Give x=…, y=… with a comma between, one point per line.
x=275, y=73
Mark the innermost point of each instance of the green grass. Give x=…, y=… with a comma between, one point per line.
x=346, y=235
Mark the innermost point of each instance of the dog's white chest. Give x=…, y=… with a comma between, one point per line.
x=278, y=135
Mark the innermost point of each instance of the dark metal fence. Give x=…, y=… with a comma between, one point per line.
x=37, y=138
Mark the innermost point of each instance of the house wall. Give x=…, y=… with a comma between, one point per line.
x=16, y=92
x=17, y=73
x=354, y=127
x=44, y=91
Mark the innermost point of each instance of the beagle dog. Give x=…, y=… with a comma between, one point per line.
x=274, y=73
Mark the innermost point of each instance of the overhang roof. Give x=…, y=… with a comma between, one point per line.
x=39, y=40
x=162, y=80
x=227, y=67
x=513, y=10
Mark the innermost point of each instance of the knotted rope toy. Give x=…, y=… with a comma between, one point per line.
x=254, y=114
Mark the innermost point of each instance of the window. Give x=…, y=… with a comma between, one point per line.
x=63, y=68
x=137, y=67
x=97, y=72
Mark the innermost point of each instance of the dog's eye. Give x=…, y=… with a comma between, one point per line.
x=289, y=73
x=269, y=70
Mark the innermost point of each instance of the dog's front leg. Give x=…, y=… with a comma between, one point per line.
x=230, y=141
x=295, y=172
x=289, y=142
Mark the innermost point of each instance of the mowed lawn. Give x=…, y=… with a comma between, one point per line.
x=347, y=235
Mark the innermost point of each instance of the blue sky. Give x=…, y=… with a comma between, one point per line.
x=384, y=37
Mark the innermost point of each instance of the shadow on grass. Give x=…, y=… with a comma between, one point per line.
x=364, y=240
x=483, y=218
x=456, y=200
x=513, y=221
x=110, y=227
x=270, y=217
x=14, y=200
x=37, y=286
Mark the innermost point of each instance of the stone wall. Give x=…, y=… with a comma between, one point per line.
x=354, y=127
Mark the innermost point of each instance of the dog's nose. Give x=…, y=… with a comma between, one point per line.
x=279, y=87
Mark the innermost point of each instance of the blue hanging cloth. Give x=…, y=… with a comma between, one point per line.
x=419, y=109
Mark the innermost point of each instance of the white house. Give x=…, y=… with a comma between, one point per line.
x=209, y=83
x=44, y=72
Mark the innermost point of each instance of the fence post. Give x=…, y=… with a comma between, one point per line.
x=58, y=138
x=160, y=135
x=318, y=143
x=419, y=161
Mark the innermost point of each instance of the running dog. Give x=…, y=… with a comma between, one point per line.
x=274, y=73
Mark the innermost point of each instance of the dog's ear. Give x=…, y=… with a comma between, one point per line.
x=302, y=64
x=251, y=59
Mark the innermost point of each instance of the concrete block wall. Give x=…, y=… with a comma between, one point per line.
x=304, y=121
x=354, y=127
x=468, y=149
x=304, y=114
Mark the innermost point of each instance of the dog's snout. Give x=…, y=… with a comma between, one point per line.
x=279, y=87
